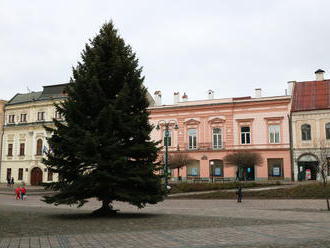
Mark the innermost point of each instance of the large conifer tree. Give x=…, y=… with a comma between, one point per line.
x=103, y=149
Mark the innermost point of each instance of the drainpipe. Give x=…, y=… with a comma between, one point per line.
x=291, y=146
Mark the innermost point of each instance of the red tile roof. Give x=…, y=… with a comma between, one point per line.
x=311, y=95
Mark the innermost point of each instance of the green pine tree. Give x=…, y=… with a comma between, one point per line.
x=103, y=149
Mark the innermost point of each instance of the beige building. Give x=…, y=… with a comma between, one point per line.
x=310, y=124
x=24, y=137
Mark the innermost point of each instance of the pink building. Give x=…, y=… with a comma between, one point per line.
x=211, y=129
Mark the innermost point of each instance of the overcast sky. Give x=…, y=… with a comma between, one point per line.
x=231, y=47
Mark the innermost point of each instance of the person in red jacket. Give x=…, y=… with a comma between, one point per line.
x=23, y=193
x=18, y=193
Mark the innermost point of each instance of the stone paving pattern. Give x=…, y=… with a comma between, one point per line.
x=283, y=223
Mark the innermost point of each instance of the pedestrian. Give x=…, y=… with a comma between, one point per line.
x=23, y=193
x=18, y=193
x=12, y=182
x=239, y=194
x=8, y=182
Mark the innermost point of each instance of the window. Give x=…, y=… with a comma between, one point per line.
x=245, y=135
x=20, y=174
x=39, y=147
x=193, y=168
x=41, y=116
x=10, y=150
x=8, y=173
x=50, y=176
x=58, y=115
x=275, y=168
x=169, y=138
x=217, y=138
x=216, y=168
x=22, y=149
x=306, y=132
x=23, y=118
x=327, y=130
x=274, y=134
x=192, y=139
x=11, y=119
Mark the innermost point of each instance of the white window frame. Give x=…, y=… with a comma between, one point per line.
x=218, y=138
x=245, y=135
x=274, y=134
x=193, y=145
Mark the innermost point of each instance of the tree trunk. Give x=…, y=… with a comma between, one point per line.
x=106, y=209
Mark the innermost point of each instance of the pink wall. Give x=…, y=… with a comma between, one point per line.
x=229, y=116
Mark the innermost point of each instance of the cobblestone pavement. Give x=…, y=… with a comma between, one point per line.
x=283, y=223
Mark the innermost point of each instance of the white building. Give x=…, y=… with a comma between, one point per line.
x=24, y=137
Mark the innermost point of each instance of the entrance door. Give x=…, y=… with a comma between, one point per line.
x=36, y=176
x=307, y=170
x=246, y=173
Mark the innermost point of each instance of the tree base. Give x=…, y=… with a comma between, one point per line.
x=105, y=212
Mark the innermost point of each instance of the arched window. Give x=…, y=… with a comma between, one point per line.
x=327, y=130
x=39, y=147
x=306, y=132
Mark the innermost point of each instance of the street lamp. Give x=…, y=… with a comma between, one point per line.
x=167, y=125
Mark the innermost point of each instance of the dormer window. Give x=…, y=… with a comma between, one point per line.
x=58, y=115
x=41, y=116
x=11, y=119
x=23, y=118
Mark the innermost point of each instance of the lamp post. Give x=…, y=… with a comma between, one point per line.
x=167, y=125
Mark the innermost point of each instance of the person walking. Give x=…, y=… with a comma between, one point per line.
x=8, y=182
x=12, y=182
x=23, y=193
x=239, y=194
x=18, y=193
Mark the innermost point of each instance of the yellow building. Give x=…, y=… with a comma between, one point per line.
x=24, y=136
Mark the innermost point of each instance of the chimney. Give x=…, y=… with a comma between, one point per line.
x=210, y=94
x=319, y=74
x=184, y=97
x=176, y=97
x=158, y=98
x=257, y=92
x=290, y=87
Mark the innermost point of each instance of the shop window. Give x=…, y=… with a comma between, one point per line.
x=275, y=168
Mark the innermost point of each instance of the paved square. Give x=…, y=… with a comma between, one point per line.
x=172, y=223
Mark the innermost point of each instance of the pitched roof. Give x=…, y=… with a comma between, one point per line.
x=311, y=95
x=48, y=93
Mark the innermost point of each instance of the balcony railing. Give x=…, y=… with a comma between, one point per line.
x=205, y=147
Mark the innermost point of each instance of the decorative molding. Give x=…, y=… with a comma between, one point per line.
x=191, y=121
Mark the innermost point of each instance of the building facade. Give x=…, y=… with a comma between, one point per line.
x=209, y=130
x=24, y=137
x=310, y=120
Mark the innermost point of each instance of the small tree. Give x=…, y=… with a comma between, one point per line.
x=323, y=169
x=243, y=159
x=104, y=149
x=178, y=160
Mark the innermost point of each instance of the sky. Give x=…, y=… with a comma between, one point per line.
x=191, y=46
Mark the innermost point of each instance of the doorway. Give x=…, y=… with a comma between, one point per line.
x=246, y=173
x=36, y=176
x=307, y=170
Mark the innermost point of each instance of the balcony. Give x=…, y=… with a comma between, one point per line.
x=204, y=147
